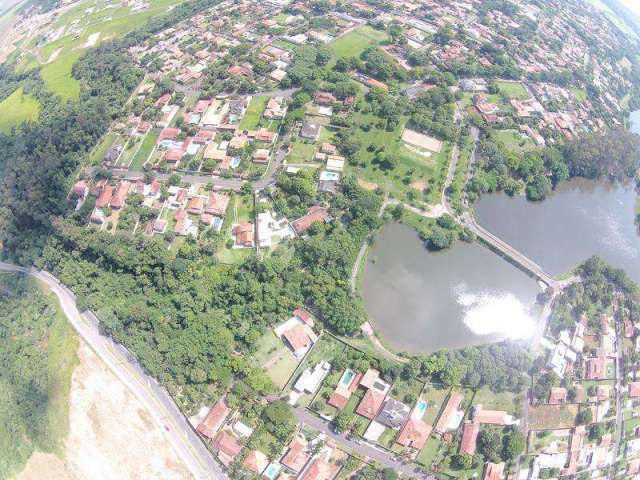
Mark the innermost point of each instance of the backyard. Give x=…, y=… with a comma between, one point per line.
x=254, y=112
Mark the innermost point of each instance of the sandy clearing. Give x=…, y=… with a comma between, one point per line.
x=111, y=435
x=419, y=185
x=92, y=40
x=54, y=55
x=367, y=185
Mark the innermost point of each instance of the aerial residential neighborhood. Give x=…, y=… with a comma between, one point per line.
x=320, y=239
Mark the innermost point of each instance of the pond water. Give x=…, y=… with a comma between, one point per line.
x=422, y=301
x=580, y=219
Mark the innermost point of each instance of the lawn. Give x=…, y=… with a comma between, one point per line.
x=254, y=112
x=326, y=348
x=579, y=93
x=354, y=43
x=17, y=108
x=145, y=150
x=538, y=441
x=435, y=395
x=429, y=453
x=514, y=141
x=506, y=401
x=109, y=23
x=513, y=90
x=415, y=177
x=301, y=152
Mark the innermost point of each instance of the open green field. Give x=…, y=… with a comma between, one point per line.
x=254, y=112
x=276, y=359
x=415, y=177
x=580, y=93
x=108, y=23
x=301, y=152
x=513, y=90
x=489, y=400
x=17, y=108
x=355, y=42
x=514, y=141
x=550, y=417
x=429, y=453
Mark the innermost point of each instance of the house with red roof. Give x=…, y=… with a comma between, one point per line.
x=298, y=339
x=493, y=471
x=449, y=413
x=104, y=199
x=370, y=404
x=492, y=417
x=320, y=470
x=118, y=199
x=297, y=455
x=634, y=390
x=256, y=462
x=304, y=316
x=557, y=395
x=414, y=434
x=315, y=214
x=217, y=204
x=214, y=419
x=244, y=235
x=596, y=368
x=227, y=447
x=470, y=433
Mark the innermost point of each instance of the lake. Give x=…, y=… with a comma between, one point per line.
x=422, y=301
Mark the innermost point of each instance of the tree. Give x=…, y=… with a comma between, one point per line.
x=279, y=419
x=343, y=421
x=462, y=461
x=489, y=445
x=584, y=416
x=513, y=445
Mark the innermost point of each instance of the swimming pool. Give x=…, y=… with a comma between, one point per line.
x=272, y=471
x=420, y=408
x=347, y=377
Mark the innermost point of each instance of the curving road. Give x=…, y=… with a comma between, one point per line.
x=156, y=400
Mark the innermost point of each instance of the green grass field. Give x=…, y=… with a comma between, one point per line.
x=111, y=23
x=354, y=43
x=513, y=141
x=17, y=108
x=513, y=90
x=254, y=112
x=489, y=400
x=145, y=150
x=301, y=152
x=580, y=94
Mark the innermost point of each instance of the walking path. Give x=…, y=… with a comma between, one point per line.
x=154, y=397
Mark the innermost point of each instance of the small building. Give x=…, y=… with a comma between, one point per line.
x=450, y=417
x=195, y=205
x=214, y=419
x=244, y=235
x=261, y=155
x=297, y=455
x=310, y=380
x=217, y=204
x=492, y=417
x=310, y=129
x=470, y=433
x=104, y=199
x=320, y=470
x=370, y=404
x=414, y=434
x=315, y=214
x=256, y=462
x=493, y=471
x=227, y=447
x=347, y=384
x=393, y=414
x=557, y=395
x=298, y=340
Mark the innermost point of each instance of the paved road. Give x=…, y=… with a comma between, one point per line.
x=363, y=449
x=156, y=400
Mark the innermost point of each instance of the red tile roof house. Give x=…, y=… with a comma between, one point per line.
x=214, y=419
x=217, y=204
x=341, y=395
x=324, y=98
x=493, y=471
x=414, y=434
x=297, y=456
x=244, y=235
x=173, y=156
x=370, y=404
x=320, y=470
x=104, y=199
x=195, y=205
x=256, y=462
x=168, y=134
x=298, y=339
x=80, y=190
x=557, y=395
x=450, y=408
x=469, y=436
x=596, y=368
x=491, y=417
x=304, y=316
x=315, y=214
x=634, y=390
x=120, y=196
x=227, y=446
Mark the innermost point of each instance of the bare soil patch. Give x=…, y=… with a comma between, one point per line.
x=111, y=435
x=367, y=185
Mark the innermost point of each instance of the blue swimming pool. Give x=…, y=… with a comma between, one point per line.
x=347, y=377
x=420, y=408
x=272, y=471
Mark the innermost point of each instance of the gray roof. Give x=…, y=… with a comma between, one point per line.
x=310, y=129
x=394, y=414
